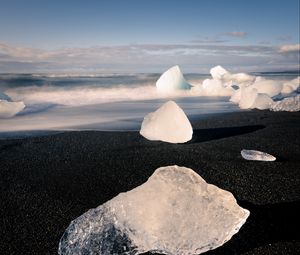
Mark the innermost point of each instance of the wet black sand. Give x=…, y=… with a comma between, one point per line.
x=45, y=182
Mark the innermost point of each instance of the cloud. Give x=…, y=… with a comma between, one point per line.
x=237, y=34
x=20, y=52
x=144, y=57
x=284, y=38
x=290, y=52
x=289, y=48
x=264, y=42
x=214, y=39
x=208, y=41
x=124, y=52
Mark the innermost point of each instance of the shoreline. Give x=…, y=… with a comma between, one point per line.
x=133, y=126
x=47, y=181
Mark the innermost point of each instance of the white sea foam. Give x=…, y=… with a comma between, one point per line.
x=86, y=95
x=76, y=75
x=125, y=115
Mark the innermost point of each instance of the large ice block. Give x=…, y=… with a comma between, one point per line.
x=175, y=212
x=168, y=123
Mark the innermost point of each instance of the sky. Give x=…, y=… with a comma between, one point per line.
x=148, y=36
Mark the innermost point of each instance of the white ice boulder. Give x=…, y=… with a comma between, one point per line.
x=287, y=88
x=171, y=80
x=291, y=86
x=218, y=72
x=289, y=104
x=248, y=96
x=269, y=87
x=241, y=78
x=236, y=96
x=262, y=102
x=9, y=109
x=175, y=212
x=295, y=83
x=168, y=123
x=257, y=155
x=214, y=87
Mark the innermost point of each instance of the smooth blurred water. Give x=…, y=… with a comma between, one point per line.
x=100, y=102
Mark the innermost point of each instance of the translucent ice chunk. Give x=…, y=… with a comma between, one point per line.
x=287, y=88
x=269, y=87
x=9, y=109
x=262, y=102
x=240, y=78
x=257, y=155
x=172, y=79
x=248, y=96
x=289, y=104
x=236, y=97
x=218, y=72
x=175, y=212
x=214, y=87
x=168, y=123
x=291, y=86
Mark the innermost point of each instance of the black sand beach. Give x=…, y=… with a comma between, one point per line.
x=48, y=181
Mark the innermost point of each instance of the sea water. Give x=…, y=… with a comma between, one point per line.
x=56, y=102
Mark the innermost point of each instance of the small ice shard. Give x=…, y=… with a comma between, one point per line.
x=175, y=212
x=257, y=155
x=172, y=79
x=168, y=123
x=9, y=109
x=289, y=104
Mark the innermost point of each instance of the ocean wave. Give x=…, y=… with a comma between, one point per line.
x=87, y=95
x=82, y=75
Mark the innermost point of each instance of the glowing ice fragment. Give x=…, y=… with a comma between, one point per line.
x=175, y=212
